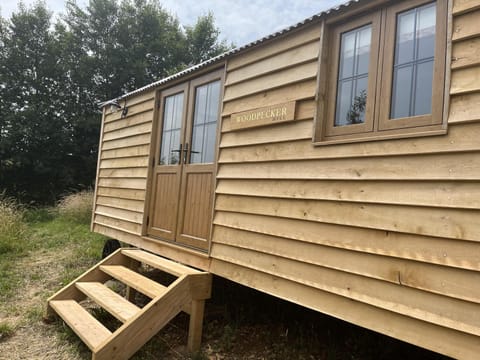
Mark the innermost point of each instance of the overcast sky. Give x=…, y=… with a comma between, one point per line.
x=240, y=21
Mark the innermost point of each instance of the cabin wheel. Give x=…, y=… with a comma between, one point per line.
x=110, y=246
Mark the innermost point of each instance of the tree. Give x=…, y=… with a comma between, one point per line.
x=202, y=40
x=52, y=79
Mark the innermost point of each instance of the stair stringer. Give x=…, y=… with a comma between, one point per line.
x=70, y=291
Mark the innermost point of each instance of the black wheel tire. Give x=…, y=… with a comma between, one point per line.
x=110, y=246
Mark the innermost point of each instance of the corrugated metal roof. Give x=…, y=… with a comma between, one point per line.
x=237, y=50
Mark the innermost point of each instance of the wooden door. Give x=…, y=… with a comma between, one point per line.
x=183, y=189
x=167, y=170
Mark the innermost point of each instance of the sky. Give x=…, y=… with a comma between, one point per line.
x=239, y=21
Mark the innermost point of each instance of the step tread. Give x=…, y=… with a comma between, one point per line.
x=89, y=329
x=160, y=263
x=108, y=299
x=140, y=283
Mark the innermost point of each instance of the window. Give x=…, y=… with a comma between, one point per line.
x=386, y=75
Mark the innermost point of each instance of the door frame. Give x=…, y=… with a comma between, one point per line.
x=217, y=72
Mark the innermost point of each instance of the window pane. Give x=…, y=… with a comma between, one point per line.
x=172, y=123
x=423, y=89
x=405, y=39
x=207, y=98
x=352, y=83
x=426, y=32
x=414, y=53
x=344, y=101
x=402, y=88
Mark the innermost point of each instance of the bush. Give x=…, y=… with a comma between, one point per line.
x=77, y=207
x=12, y=225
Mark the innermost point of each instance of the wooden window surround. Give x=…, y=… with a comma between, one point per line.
x=404, y=52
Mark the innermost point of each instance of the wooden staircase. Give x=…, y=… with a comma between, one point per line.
x=187, y=293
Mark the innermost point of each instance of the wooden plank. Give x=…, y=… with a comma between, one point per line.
x=136, y=140
x=441, y=251
x=141, y=150
x=184, y=255
x=466, y=26
x=122, y=214
x=126, y=204
x=148, y=287
x=440, y=310
x=119, y=183
x=157, y=262
x=269, y=49
x=465, y=80
x=304, y=110
x=132, y=194
x=134, y=334
x=460, y=138
x=298, y=91
x=125, y=225
x=440, y=339
x=462, y=166
x=124, y=173
x=81, y=322
x=126, y=162
x=115, y=304
x=457, y=195
x=432, y=278
x=449, y=223
x=262, y=83
x=123, y=123
x=144, y=128
x=291, y=57
x=464, y=108
x=133, y=110
x=299, y=129
x=97, y=172
x=466, y=53
x=462, y=6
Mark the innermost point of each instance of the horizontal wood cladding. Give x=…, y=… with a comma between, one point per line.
x=449, y=194
x=462, y=6
x=466, y=53
x=465, y=80
x=464, y=108
x=274, y=80
x=449, y=223
x=441, y=310
x=297, y=91
x=465, y=25
x=442, y=251
x=294, y=57
x=431, y=278
x=461, y=166
x=437, y=338
x=123, y=166
x=461, y=139
x=273, y=48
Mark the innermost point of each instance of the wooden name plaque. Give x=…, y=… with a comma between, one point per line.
x=264, y=116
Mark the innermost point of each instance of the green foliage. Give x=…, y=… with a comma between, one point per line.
x=6, y=330
x=53, y=74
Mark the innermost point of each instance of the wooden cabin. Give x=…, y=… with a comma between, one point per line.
x=334, y=164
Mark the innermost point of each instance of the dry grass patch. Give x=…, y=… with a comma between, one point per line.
x=77, y=206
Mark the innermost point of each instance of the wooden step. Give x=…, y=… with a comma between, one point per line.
x=160, y=263
x=140, y=283
x=89, y=329
x=115, y=304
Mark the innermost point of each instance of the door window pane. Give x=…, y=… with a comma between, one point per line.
x=352, y=82
x=207, y=99
x=172, y=124
x=413, y=67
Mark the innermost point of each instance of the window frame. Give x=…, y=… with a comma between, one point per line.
x=380, y=126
